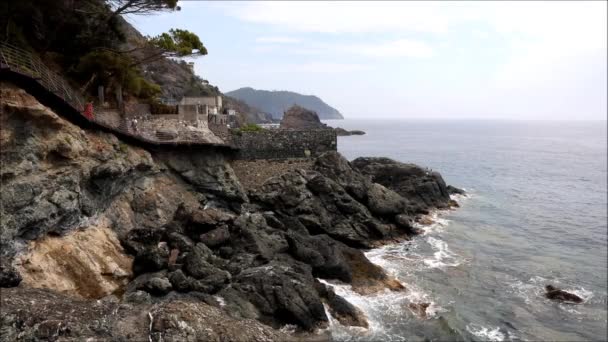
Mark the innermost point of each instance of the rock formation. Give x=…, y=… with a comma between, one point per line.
x=297, y=117
x=161, y=236
x=561, y=295
x=341, y=132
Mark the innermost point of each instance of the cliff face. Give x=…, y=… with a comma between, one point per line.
x=171, y=238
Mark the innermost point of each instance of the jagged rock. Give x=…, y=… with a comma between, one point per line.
x=251, y=234
x=346, y=313
x=157, y=286
x=367, y=277
x=283, y=293
x=322, y=253
x=209, y=174
x=424, y=189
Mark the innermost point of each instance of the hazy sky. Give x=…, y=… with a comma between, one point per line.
x=519, y=60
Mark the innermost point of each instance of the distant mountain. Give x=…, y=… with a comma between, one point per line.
x=276, y=102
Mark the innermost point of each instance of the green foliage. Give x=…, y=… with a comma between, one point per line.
x=251, y=128
x=179, y=43
x=111, y=67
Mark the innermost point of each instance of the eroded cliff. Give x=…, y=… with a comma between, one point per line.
x=86, y=216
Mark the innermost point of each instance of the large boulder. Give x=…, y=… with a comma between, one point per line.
x=283, y=292
x=297, y=117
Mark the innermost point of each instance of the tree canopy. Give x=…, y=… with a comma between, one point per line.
x=141, y=6
x=179, y=43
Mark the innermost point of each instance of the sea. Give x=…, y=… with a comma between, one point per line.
x=535, y=214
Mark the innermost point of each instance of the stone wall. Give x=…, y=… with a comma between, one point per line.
x=284, y=144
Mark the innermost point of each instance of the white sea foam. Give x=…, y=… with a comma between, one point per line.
x=485, y=333
x=443, y=257
x=381, y=309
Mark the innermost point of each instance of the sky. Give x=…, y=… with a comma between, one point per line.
x=494, y=60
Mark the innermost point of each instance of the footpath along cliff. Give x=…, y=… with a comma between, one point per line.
x=102, y=239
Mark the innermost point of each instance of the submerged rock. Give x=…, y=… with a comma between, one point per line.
x=419, y=309
x=341, y=132
x=554, y=293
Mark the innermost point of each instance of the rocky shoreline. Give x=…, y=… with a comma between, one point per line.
x=94, y=226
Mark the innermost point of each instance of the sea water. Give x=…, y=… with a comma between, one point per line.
x=535, y=214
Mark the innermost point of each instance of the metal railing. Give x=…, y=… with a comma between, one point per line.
x=25, y=63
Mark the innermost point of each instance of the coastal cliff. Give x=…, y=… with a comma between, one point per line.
x=103, y=239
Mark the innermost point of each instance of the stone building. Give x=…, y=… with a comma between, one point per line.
x=207, y=104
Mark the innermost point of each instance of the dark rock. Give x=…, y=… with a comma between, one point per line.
x=9, y=277
x=341, y=132
x=236, y=306
x=554, y=293
x=196, y=263
x=452, y=190
x=283, y=293
x=181, y=242
x=323, y=254
x=157, y=286
x=384, y=202
x=419, y=308
x=367, y=277
x=150, y=260
x=180, y=281
x=346, y=313
x=216, y=237
x=424, y=189
x=298, y=117
x=138, y=240
x=138, y=297
x=251, y=234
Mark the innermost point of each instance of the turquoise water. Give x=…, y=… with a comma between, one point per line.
x=536, y=215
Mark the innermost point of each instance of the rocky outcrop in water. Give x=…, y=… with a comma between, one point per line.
x=341, y=132
x=297, y=117
x=423, y=188
x=165, y=231
x=554, y=293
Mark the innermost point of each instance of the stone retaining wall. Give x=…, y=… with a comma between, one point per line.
x=284, y=144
